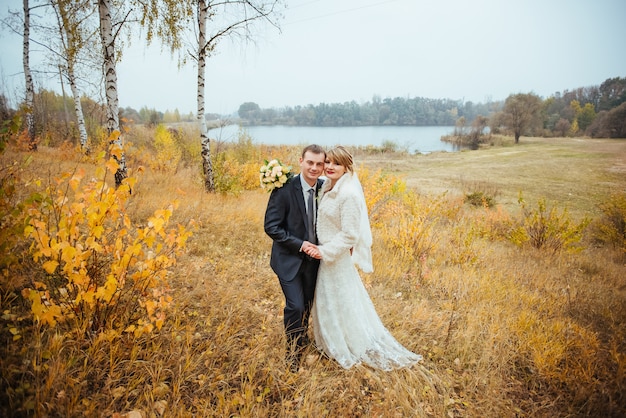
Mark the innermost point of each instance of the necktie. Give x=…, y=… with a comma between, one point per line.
x=310, y=214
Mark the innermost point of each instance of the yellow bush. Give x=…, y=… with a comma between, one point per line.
x=11, y=222
x=381, y=191
x=611, y=227
x=547, y=229
x=494, y=224
x=168, y=154
x=236, y=166
x=96, y=269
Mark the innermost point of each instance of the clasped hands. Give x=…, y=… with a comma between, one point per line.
x=311, y=250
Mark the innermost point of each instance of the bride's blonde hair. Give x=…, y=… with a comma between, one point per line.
x=341, y=156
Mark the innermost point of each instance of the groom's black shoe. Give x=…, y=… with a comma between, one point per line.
x=293, y=360
x=305, y=341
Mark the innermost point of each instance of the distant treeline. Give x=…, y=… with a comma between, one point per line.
x=596, y=111
x=557, y=113
x=399, y=111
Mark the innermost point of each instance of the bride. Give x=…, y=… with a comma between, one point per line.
x=345, y=323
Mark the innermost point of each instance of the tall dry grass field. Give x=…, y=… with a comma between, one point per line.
x=519, y=309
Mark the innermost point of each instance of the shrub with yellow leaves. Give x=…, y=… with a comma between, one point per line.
x=546, y=228
x=97, y=270
x=610, y=228
x=168, y=153
x=381, y=191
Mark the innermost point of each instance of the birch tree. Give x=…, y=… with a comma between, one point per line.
x=61, y=51
x=237, y=19
x=110, y=87
x=28, y=80
x=161, y=18
x=74, y=37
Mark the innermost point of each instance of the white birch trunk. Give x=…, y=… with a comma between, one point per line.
x=65, y=117
x=207, y=165
x=68, y=26
x=110, y=77
x=78, y=108
x=30, y=88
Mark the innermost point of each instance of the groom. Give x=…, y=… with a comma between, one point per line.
x=286, y=222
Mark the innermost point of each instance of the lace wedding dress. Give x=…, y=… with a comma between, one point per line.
x=345, y=323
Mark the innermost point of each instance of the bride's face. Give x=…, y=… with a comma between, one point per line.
x=333, y=170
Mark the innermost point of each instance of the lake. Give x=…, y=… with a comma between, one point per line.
x=414, y=139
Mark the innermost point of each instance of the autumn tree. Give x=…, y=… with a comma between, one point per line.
x=22, y=23
x=520, y=113
x=163, y=19
x=74, y=37
x=562, y=127
x=62, y=39
x=108, y=38
x=610, y=124
x=28, y=79
x=5, y=110
x=230, y=18
x=479, y=124
x=586, y=116
x=248, y=110
x=460, y=126
x=612, y=93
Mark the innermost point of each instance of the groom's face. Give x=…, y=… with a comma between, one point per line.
x=312, y=166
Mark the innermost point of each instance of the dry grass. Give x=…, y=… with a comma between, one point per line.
x=576, y=173
x=505, y=331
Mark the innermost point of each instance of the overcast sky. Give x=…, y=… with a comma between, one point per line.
x=336, y=51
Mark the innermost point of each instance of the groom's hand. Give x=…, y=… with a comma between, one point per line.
x=305, y=246
x=311, y=250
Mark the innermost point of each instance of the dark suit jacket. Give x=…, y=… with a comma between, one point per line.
x=285, y=223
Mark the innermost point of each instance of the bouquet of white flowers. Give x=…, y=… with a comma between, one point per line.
x=274, y=174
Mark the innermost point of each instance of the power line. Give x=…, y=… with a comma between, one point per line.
x=304, y=4
x=336, y=13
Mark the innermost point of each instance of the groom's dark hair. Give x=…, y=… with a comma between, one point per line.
x=314, y=148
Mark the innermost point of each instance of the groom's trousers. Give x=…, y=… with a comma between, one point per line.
x=299, y=294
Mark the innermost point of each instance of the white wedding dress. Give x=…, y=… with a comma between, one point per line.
x=345, y=323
